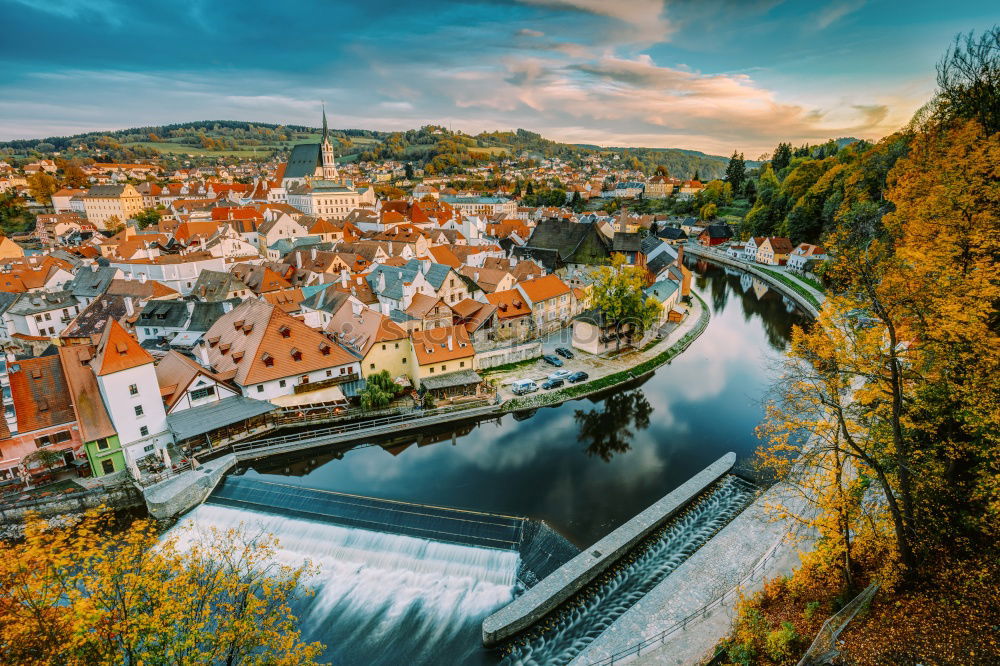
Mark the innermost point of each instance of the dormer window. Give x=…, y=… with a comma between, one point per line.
x=214, y=340
x=267, y=359
x=296, y=354
x=284, y=331
x=239, y=324
x=224, y=348
x=247, y=329
x=237, y=356
x=324, y=349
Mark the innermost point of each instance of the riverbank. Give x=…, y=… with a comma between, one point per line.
x=804, y=295
x=622, y=369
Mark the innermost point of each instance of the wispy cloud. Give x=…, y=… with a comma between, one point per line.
x=836, y=11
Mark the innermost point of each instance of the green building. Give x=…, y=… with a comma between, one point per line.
x=100, y=440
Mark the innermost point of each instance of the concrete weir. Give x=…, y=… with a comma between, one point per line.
x=572, y=576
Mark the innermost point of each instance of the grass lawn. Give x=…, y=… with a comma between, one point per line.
x=799, y=289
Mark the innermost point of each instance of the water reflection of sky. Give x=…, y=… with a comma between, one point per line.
x=703, y=404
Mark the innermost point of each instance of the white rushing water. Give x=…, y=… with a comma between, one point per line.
x=381, y=598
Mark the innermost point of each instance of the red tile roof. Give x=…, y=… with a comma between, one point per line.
x=118, y=351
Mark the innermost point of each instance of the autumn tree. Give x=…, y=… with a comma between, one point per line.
x=617, y=292
x=97, y=593
x=42, y=186
x=709, y=211
x=968, y=79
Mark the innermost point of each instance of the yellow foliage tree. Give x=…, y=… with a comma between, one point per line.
x=42, y=186
x=96, y=593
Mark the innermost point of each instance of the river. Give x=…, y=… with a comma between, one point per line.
x=583, y=467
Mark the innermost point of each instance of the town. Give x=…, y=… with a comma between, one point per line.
x=155, y=313
x=520, y=333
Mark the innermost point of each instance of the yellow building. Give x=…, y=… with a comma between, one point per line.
x=382, y=344
x=103, y=202
x=440, y=352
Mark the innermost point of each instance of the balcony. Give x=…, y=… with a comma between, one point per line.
x=305, y=387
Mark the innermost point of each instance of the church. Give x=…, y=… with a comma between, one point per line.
x=314, y=186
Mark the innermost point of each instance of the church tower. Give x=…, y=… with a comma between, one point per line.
x=329, y=162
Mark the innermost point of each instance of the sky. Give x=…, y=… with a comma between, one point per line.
x=709, y=75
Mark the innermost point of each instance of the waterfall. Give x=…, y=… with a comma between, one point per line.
x=381, y=598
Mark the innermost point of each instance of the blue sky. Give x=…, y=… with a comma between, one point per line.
x=706, y=75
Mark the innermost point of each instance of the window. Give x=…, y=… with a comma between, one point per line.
x=461, y=364
x=145, y=431
x=204, y=392
x=432, y=370
x=443, y=368
x=397, y=346
x=138, y=410
x=329, y=373
x=260, y=388
x=281, y=383
x=371, y=366
x=404, y=359
x=107, y=466
x=48, y=316
x=53, y=438
x=383, y=347
x=133, y=389
x=103, y=444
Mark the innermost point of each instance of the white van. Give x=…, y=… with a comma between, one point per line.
x=522, y=386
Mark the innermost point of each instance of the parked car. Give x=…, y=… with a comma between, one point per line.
x=552, y=384
x=565, y=353
x=552, y=360
x=523, y=386
x=577, y=377
x=560, y=374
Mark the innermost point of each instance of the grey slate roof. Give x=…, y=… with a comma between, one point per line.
x=626, y=242
x=6, y=300
x=328, y=300
x=104, y=191
x=303, y=161
x=650, y=243
x=460, y=378
x=199, y=420
x=88, y=283
x=216, y=285
x=671, y=233
x=661, y=290
x=562, y=241
x=435, y=273
x=93, y=319
x=31, y=303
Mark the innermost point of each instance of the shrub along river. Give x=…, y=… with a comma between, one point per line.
x=583, y=467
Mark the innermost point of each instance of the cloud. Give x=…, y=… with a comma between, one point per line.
x=836, y=11
x=645, y=19
x=528, y=32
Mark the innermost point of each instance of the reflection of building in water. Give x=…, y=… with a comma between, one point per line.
x=396, y=445
x=746, y=282
x=759, y=288
x=294, y=464
x=734, y=272
x=790, y=305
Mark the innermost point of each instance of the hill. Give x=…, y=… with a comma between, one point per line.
x=435, y=146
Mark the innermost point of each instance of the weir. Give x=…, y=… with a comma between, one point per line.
x=422, y=521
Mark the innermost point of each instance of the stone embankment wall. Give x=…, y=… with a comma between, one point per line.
x=507, y=353
x=177, y=495
x=119, y=497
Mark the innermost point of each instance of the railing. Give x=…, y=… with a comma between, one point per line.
x=702, y=612
x=824, y=645
x=472, y=408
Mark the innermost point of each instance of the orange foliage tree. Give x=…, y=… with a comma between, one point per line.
x=94, y=594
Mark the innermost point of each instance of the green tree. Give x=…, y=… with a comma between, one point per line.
x=736, y=172
x=782, y=157
x=709, y=211
x=968, y=79
x=617, y=294
x=147, y=217
x=379, y=390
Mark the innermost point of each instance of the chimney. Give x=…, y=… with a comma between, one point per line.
x=226, y=306
x=680, y=254
x=129, y=306
x=312, y=253
x=93, y=267
x=343, y=277
x=451, y=345
x=142, y=278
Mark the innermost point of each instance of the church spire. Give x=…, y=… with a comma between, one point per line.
x=326, y=131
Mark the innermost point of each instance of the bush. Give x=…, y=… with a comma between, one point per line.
x=781, y=643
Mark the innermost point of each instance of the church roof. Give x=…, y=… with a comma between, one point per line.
x=303, y=161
